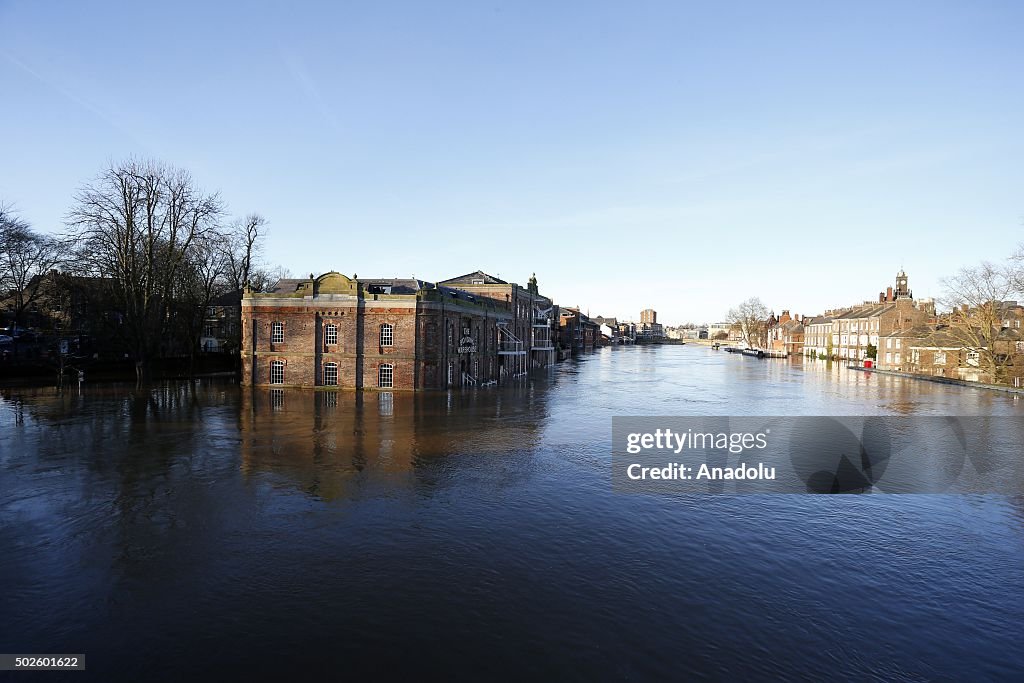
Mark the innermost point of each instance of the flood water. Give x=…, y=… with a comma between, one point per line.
x=198, y=531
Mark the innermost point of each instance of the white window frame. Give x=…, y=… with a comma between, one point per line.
x=277, y=332
x=386, y=376
x=330, y=374
x=330, y=334
x=277, y=372
x=387, y=334
x=939, y=358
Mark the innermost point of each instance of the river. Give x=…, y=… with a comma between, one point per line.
x=198, y=531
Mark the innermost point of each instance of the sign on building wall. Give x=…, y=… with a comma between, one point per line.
x=467, y=345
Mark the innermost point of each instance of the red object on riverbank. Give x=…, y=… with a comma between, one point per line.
x=869, y=363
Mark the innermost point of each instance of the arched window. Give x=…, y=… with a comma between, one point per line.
x=330, y=374
x=330, y=335
x=276, y=372
x=386, y=376
x=277, y=332
x=387, y=335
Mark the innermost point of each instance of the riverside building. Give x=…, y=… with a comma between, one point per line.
x=387, y=334
x=528, y=341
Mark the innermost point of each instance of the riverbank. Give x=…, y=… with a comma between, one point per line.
x=43, y=374
x=941, y=380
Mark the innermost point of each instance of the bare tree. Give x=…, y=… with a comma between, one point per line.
x=752, y=318
x=1016, y=271
x=138, y=224
x=977, y=296
x=201, y=280
x=25, y=258
x=242, y=250
x=262, y=279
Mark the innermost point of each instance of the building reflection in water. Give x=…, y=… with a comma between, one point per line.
x=330, y=443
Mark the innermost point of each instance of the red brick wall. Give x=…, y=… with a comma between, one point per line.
x=420, y=353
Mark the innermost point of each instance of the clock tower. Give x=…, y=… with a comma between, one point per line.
x=902, y=290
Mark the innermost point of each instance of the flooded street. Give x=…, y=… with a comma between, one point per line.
x=198, y=530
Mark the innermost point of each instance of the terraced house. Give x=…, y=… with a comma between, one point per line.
x=852, y=333
x=387, y=334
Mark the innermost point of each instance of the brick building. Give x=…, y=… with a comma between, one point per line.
x=787, y=334
x=853, y=333
x=528, y=341
x=577, y=332
x=393, y=334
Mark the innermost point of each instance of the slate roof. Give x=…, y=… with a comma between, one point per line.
x=866, y=312
x=287, y=285
x=384, y=285
x=938, y=339
x=229, y=299
x=468, y=278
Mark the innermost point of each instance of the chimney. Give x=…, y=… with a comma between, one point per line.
x=888, y=293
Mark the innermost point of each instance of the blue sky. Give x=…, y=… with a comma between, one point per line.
x=669, y=155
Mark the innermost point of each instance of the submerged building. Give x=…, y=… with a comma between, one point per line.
x=528, y=341
x=388, y=334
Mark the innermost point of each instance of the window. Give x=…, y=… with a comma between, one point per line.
x=387, y=335
x=940, y=357
x=386, y=376
x=888, y=357
x=896, y=358
x=277, y=333
x=331, y=335
x=276, y=372
x=973, y=358
x=898, y=343
x=330, y=374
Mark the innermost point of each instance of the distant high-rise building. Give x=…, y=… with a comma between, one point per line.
x=648, y=315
